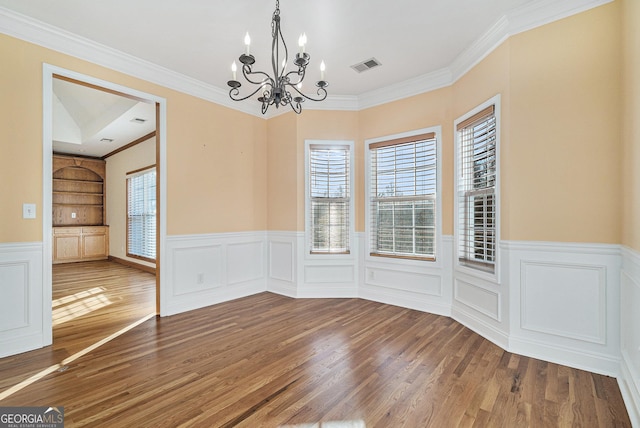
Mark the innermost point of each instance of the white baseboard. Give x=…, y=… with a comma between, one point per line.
x=479, y=325
x=630, y=391
x=578, y=358
x=404, y=299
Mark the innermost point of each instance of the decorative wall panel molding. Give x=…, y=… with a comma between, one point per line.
x=564, y=299
x=282, y=260
x=245, y=261
x=564, y=303
x=24, y=302
x=419, y=285
x=207, y=269
x=329, y=274
x=483, y=300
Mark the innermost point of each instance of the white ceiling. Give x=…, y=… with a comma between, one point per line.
x=189, y=45
x=91, y=122
x=201, y=38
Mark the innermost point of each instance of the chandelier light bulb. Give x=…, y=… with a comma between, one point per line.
x=247, y=42
x=322, y=69
x=234, y=68
x=302, y=40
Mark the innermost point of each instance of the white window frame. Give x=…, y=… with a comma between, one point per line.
x=340, y=144
x=438, y=262
x=129, y=176
x=460, y=267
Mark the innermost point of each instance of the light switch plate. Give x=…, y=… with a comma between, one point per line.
x=28, y=210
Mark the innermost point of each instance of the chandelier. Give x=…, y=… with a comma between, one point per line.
x=284, y=87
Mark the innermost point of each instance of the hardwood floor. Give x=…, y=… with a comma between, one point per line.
x=269, y=361
x=91, y=301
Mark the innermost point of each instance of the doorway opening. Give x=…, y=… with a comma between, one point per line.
x=85, y=230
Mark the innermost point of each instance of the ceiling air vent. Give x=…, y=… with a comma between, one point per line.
x=366, y=65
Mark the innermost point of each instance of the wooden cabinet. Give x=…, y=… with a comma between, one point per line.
x=79, y=232
x=76, y=244
x=78, y=191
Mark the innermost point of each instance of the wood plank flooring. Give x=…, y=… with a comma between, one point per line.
x=91, y=301
x=269, y=361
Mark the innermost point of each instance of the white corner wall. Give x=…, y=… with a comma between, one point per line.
x=629, y=379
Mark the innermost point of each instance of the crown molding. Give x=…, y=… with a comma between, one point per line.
x=543, y=12
x=480, y=48
x=57, y=39
x=408, y=88
x=525, y=18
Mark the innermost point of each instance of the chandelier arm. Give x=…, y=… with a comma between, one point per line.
x=247, y=73
x=301, y=72
x=234, y=92
x=322, y=93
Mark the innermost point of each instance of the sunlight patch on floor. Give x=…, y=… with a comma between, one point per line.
x=71, y=307
x=36, y=377
x=78, y=296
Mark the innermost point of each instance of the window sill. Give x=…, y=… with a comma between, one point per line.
x=397, y=256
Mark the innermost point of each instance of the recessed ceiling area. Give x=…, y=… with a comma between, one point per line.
x=92, y=122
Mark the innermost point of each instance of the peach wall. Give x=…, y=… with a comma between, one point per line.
x=216, y=171
x=563, y=153
x=630, y=12
x=282, y=165
x=20, y=140
x=216, y=180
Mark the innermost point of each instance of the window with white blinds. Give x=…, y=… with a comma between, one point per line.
x=477, y=190
x=330, y=198
x=403, y=197
x=141, y=214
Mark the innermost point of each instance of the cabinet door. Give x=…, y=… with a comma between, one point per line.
x=95, y=243
x=66, y=247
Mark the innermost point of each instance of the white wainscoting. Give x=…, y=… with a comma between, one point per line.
x=23, y=298
x=481, y=303
x=282, y=277
x=419, y=285
x=629, y=379
x=565, y=303
x=202, y=270
x=294, y=272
